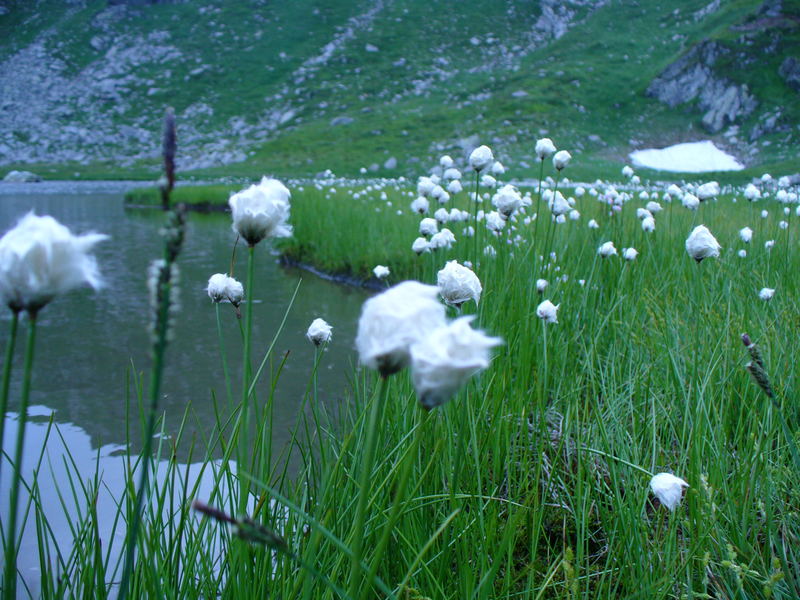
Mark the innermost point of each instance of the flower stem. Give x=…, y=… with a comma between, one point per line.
x=538, y=206
x=244, y=423
x=10, y=578
x=363, y=483
x=224, y=357
x=476, y=243
x=12, y=338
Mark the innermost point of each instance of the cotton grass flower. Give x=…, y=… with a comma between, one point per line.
x=507, y=200
x=547, y=312
x=701, y=244
x=607, y=249
x=768, y=245
x=690, y=201
x=319, y=332
x=420, y=245
x=442, y=215
x=558, y=204
x=443, y=361
x=40, y=258
x=544, y=148
x=452, y=174
x=428, y=226
x=420, y=205
x=223, y=288
x=458, y=283
x=394, y=320
x=668, y=489
x=454, y=187
x=752, y=193
x=593, y=224
x=766, y=294
x=648, y=224
x=707, y=190
x=673, y=191
x=481, y=158
x=494, y=222
x=746, y=234
x=381, y=271
x=541, y=285
x=216, y=287
x=425, y=186
x=561, y=159
x=630, y=254
x=488, y=181
x=261, y=211
x=442, y=239
x=742, y=253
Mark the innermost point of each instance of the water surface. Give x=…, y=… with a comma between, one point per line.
x=93, y=346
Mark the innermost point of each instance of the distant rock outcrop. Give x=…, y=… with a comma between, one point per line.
x=21, y=177
x=790, y=71
x=692, y=78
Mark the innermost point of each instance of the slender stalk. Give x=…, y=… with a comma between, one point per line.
x=244, y=435
x=363, y=485
x=7, y=364
x=10, y=578
x=538, y=206
x=475, y=201
x=224, y=357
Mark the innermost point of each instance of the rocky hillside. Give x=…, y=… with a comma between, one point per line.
x=303, y=86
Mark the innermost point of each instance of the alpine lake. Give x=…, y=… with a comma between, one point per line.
x=94, y=346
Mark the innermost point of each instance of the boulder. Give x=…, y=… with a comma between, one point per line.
x=343, y=120
x=726, y=107
x=692, y=78
x=21, y=177
x=790, y=71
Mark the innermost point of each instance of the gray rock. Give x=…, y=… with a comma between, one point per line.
x=790, y=71
x=683, y=80
x=691, y=78
x=343, y=120
x=21, y=177
x=727, y=107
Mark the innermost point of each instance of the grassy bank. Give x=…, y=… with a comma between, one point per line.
x=213, y=196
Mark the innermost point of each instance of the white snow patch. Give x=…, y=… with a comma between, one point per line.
x=692, y=157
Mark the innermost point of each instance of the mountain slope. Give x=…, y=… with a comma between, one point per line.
x=292, y=87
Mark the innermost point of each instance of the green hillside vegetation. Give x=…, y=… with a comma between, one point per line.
x=438, y=76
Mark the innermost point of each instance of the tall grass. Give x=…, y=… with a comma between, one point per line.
x=532, y=482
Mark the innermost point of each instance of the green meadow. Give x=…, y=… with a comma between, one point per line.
x=533, y=480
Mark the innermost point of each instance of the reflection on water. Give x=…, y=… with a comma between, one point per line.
x=90, y=342
x=65, y=460
x=92, y=345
